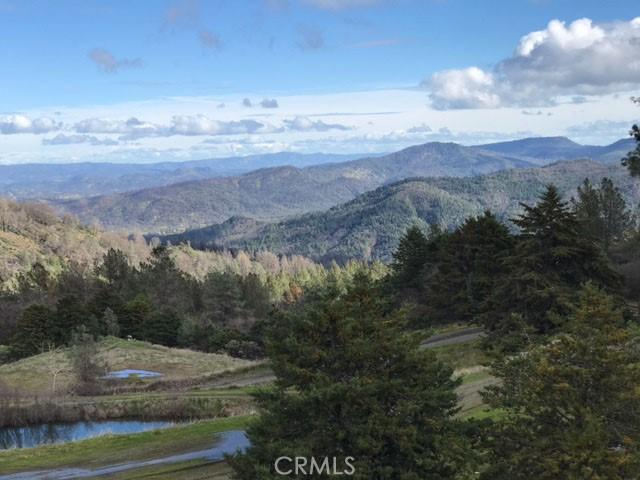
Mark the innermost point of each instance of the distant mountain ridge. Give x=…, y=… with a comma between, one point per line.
x=560, y=148
x=370, y=226
x=276, y=193
x=73, y=180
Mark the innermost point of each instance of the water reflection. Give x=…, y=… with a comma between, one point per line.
x=32, y=436
x=127, y=373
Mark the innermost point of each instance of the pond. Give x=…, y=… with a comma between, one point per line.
x=127, y=373
x=35, y=435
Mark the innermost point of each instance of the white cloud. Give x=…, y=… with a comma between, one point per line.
x=468, y=88
x=108, y=63
x=581, y=58
x=62, y=139
x=187, y=125
x=11, y=124
x=102, y=125
x=305, y=124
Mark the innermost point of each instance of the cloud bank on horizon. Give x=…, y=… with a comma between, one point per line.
x=573, y=77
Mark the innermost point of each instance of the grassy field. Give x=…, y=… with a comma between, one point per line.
x=33, y=375
x=110, y=450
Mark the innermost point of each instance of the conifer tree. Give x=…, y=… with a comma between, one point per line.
x=414, y=261
x=632, y=160
x=352, y=382
x=602, y=213
x=549, y=264
x=468, y=267
x=571, y=406
x=33, y=331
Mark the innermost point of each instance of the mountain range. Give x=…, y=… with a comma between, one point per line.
x=370, y=226
x=76, y=180
x=274, y=194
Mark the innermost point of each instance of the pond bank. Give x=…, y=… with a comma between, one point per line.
x=227, y=443
x=119, y=449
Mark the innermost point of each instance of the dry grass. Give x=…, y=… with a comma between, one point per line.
x=33, y=375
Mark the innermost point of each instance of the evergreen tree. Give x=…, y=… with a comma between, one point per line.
x=222, y=299
x=115, y=269
x=468, y=267
x=632, y=160
x=135, y=315
x=602, y=213
x=616, y=219
x=550, y=262
x=352, y=382
x=571, y=405
x=414, y=260
x=164, y=283
x=33, y=331
x=70, y=314
x=162, y=327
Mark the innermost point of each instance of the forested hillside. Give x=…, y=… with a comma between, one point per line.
x=280, y=192
x=370, y=226
x=36, y=243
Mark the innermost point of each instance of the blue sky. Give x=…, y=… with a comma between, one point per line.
x=166, y=80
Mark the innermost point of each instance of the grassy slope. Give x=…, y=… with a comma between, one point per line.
x=33, y=374
x=111, y=450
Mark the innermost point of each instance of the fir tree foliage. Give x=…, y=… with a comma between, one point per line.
x=352, y=382
x=550, y=262
x=572, y=404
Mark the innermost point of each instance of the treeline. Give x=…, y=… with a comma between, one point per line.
x=525, y=281
x=156, y=301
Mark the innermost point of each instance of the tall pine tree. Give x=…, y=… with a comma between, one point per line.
x=548, y=266
x=351, y=382
x=468, y=267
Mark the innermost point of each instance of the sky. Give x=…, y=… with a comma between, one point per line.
x=145, y=81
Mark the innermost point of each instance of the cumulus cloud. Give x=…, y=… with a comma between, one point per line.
x=62, y=139
x=209, y=40
x=467, y=88
x=101, y=125
x=310, y=38
x=108, y=63
x=11, y=124
x=187, y=125
x=247, y=103
x=305, y=124
x=581, y=58
x=269, y=103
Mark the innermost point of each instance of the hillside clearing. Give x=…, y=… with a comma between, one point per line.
x=33, y=375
